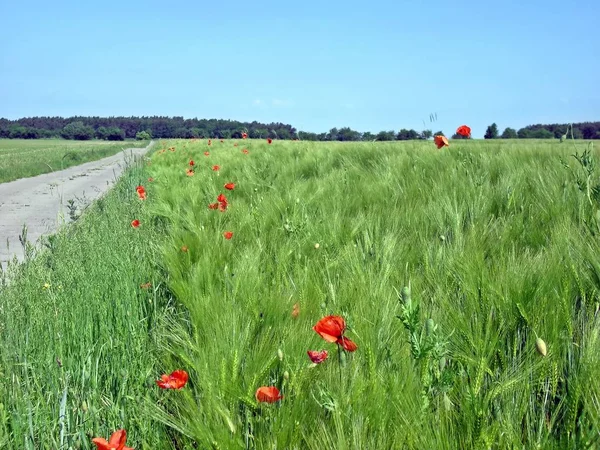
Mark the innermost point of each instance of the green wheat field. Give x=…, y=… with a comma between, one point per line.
x=21, y=158
x=468, y=277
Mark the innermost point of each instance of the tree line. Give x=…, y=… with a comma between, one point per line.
x=160, y=127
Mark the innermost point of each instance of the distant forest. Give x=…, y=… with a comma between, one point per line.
x=120, y=128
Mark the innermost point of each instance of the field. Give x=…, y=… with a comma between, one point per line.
x=20, y=158
x=468, y=278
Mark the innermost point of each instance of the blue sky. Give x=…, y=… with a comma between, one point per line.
x=371, y=65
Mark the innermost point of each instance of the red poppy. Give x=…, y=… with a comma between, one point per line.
x=116, y=441
x=145, y=285
x=245, y=151
x=216, y=168
x=230, y=186
x=296, y=310
x=228, y=235
x=317, y=357
x=176, y=380
x=141, y=192
x=213, y=206
x=209, y=142
x=269, y=140
x=191, y=163
x=222, y=202
x=184, y=248
x=268, y=394
x=135, y=223
x=331, y=328
x=150, y=179
x=244, y=135
x=348, y=345
x=441, y=141
x=464, y=131
x=189, y=172
x=206, y=153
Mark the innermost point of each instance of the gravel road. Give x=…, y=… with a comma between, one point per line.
x=40, y=202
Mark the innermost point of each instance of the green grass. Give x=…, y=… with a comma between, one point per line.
x=75, y=322
x=21, y=158
x=496, y=240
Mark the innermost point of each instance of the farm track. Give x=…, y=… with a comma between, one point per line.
x=40, y=202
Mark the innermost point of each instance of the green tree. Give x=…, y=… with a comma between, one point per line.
x=78, y=131
x=386, y=136
x=426, y=134
x=115, y=134
x=348, y=134
x=439, y=133
x=509, y=133
x=142, y=136
x=368, y=136
x=491, y=132
x=407, y=135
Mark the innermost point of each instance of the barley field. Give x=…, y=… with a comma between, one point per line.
x=448, y=299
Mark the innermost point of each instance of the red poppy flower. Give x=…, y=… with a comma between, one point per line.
x=441, y=141
x=348, y=345
x=213, y=206
x=317, y=357
x=268, y=394
x=245, y=151
x=176, y=380
x=145, y=285
x=331, y=328
x=189, y=172
x=141, y=192
x=191, y=163
x=206, y=153
x=228, y=235
x=209, y=142
x=116, y=441
x=150, y=179
x=269, y=140
x=464, y=131
x=216, y=168
x=184, y=248
x=244, y=135
x=135, y=223
x=230, y=186
x=296, y=310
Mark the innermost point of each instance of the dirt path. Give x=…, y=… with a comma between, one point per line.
x=40, y=202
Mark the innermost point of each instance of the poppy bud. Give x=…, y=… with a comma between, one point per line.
x=540, y=345
x=280, y=354
x=317, y=245
x=442, y=237
x=84, y=406
x=447, y=402
x=429, y=327
x=442, y=363
x=405, y=294
x=286, y=375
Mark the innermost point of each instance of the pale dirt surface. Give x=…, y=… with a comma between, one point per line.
x=40, y=202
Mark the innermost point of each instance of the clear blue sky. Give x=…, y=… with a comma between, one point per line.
x=371, y=65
